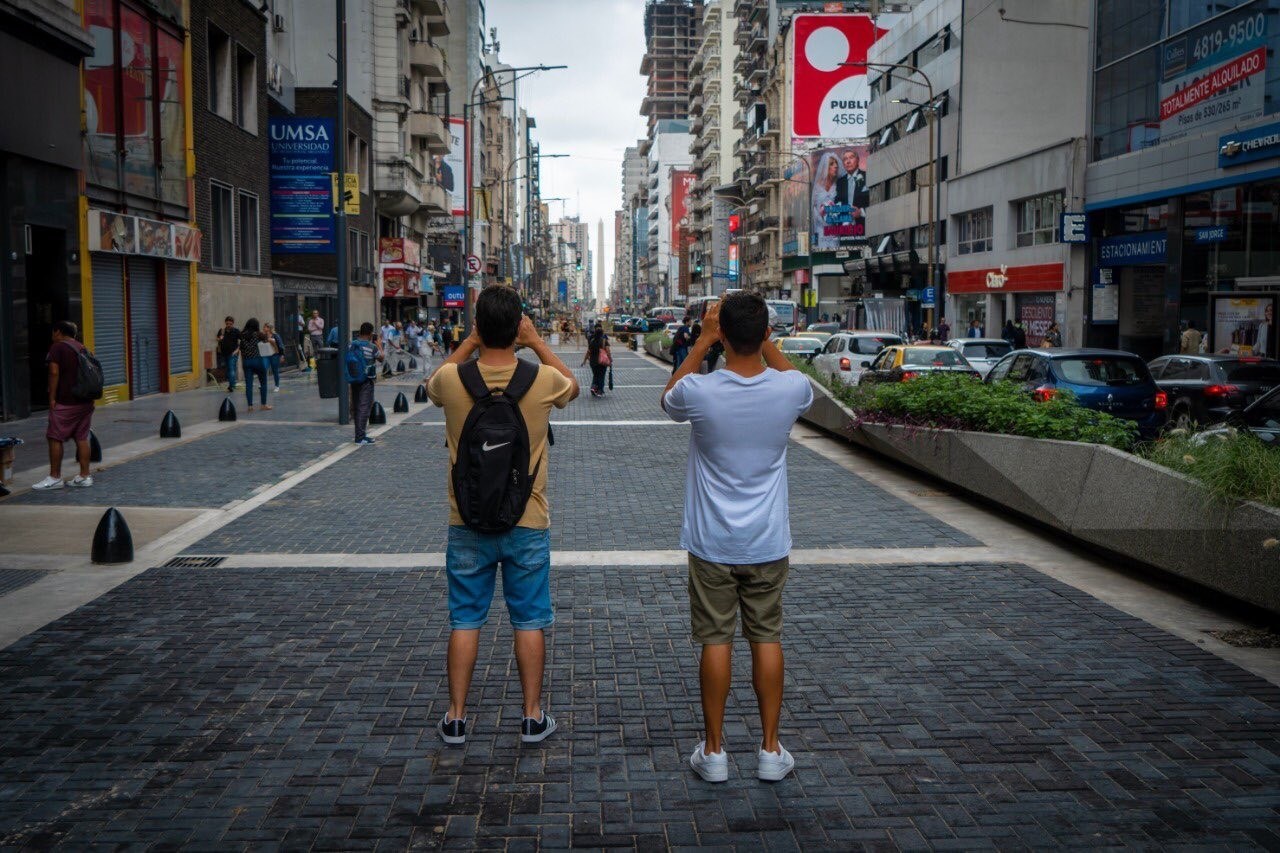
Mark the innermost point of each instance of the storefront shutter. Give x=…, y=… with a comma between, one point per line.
x=108, y=317
x=178, y=290
x=144, y=327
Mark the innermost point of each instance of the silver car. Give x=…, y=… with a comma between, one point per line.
x=982, y=353
x=843, y=355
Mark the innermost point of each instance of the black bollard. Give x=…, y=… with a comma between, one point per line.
x=413, y=364
x=400, y=366
x=377, y=415
x=95, y=449
x=169, y=427
x=401, y=404
x=112, y=541
x=386, y=366
x=420, y=396
x=228, y=410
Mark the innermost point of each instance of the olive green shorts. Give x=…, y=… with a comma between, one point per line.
x=718, y=590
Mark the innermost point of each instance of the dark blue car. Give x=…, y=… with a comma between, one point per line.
x=1118, y=383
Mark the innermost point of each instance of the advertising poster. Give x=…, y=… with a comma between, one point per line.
x=1244, y=324
x=455, y=296
x=186, y=243
x=830, y=99
x=451, y=169
x=795, y=204
x=1035, y=311
x=301, y=158
x=562, y=291
x=681, y=182
x=1214, y=74
x=112, y=232
x=839, y=197
x=155, y=238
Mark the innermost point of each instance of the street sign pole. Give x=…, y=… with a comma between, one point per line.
x=344, y=308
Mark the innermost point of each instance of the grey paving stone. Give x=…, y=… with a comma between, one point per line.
x=962, y=706
x=209, y=471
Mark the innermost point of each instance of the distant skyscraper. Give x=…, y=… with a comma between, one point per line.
x=602, y=295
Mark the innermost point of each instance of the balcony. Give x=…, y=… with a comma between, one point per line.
x=431, y=128
x=396, y=187
x=435, y=199
x=436, y=8
x=430, y=60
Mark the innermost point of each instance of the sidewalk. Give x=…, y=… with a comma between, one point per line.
x=955, y=680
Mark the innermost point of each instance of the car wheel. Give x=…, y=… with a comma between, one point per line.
x=1183, y=419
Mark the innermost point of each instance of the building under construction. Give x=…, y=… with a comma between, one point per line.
x=672, y=35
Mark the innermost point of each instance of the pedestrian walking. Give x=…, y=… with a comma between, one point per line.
x=255, y=349
x=944, y=331
x=1010, y=334
x=71, y=396
x=1053, y=336
x=1019, y=336
x=680, y=345
x=975, y=329
x=361, y=364
x=600, y=357
x=498, y=497
x=315, y=332
x=736, y=527
x=273, y=362
x=457, y=336
x=1190, y=342
x=229, y=350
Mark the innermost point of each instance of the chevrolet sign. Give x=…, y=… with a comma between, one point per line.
x=1249, y=146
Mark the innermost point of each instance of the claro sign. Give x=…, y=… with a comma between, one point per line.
x=829, y=97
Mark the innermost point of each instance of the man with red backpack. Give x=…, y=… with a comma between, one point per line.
x=497, y=410
x=75, y=381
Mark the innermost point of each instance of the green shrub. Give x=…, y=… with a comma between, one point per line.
x=956, y=401
x=1233, y=466
x=654, y=336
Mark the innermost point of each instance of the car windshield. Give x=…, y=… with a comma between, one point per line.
x=871, y=345
x=800, y=344
x=991, y=350
x=1102, y=370
x=931, y=357
x=1247, y=370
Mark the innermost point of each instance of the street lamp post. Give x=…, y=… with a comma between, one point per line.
x=933, y=167
x=344, y=303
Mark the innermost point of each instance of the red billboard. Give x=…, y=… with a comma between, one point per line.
x=829, y=98
x=681, y=182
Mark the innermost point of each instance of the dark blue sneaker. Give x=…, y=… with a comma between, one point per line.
x=452, y=731
x=536, y=731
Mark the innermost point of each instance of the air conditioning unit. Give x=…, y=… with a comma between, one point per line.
x=278, y=25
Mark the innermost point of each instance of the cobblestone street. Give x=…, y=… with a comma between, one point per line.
x=954, y=680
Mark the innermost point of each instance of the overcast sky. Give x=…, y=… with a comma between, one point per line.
x=589, y=111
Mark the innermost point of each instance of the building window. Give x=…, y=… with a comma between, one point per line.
x=973, y=231
x=1037, y=219
x=901, y=185
x=247, y=90
x=359, y=260
x=248, y=233
x=221, y=227
x=221, y=98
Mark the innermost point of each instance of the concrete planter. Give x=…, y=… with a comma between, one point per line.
x=658, y=349
x=1099, y=495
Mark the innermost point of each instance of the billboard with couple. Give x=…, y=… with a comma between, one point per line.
x=826, y=192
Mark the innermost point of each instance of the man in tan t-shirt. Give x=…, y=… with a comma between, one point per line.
x=524, y=552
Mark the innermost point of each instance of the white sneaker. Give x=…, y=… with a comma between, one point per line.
x=774, y=766
x=277, y=389
x=80, y=482
x=47, y=484
x=713, y=767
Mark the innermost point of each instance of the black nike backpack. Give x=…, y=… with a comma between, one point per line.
x=491, y=477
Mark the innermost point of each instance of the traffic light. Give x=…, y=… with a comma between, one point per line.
x=735, y=222
x=579, y=263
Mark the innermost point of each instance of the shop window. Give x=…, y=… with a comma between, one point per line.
x=248, y=233
x=1036, y=219
x=246, y=90
x=221, y=227
x=220, y=73
x=973, y=231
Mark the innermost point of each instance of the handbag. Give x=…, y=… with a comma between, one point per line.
x=610, y=377
x=603, y=358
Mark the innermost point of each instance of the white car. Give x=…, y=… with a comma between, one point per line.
x=982, y=353
x=669, y=331
x=842, y=357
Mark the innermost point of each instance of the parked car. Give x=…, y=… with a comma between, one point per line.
x=982, y=353
x=906, y=362
x=843, y=354
x=670, y=331
x=800, y=346
x=1118, y=383
x=1261, y=417
x=829, y=328
x=820, y=337
x=1206, y=389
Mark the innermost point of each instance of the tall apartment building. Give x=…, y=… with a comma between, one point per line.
x=634, y=170
x=42, y=44
x=671, y=32
x=711, y=122
x=668, y=157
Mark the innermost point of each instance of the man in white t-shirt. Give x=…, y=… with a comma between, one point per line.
x=736, y=525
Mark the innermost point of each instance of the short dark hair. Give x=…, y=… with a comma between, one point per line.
x=229, y=319
x=498, y=314
x=66, y=328
x=366, y=328
x=744, y=322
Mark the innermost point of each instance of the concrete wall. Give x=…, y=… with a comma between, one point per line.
x=241, y=297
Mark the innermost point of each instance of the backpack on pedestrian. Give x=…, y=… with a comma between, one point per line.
x=491, y=477
x=357, y=365
x=89, y=379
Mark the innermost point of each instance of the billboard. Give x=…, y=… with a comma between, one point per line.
x=1213, y=74
x=301, y=158
x=836, y=199
x=681, y=183
x=450, y=170
x=830, y=99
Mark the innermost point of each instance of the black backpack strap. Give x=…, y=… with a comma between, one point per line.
x=522, y=380
x=469, y=373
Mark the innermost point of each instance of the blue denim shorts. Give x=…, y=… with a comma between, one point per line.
x=471, y=562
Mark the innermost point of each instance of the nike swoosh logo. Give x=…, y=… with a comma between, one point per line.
x=486, y=447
